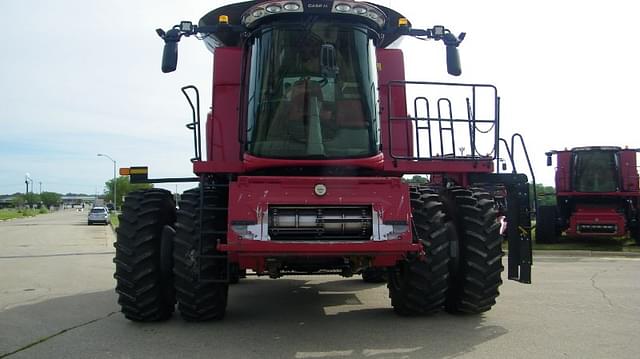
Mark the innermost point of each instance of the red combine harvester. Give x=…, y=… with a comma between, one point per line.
x=597, y=195
x=306, y=145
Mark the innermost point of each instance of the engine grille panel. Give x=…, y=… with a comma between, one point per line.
x=597, y=228
x=320, y=223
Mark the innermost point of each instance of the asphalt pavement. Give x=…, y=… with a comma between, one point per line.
x=56, y=281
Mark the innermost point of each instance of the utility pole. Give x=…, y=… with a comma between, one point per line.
x=115, y=204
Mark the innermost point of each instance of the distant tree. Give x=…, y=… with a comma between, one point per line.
x=417, y=180
x=546, y=195
x=123, y=187
x=32, y=199
x=50, y=198
x=18, y=200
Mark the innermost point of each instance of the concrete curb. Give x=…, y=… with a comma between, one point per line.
x=589, y=253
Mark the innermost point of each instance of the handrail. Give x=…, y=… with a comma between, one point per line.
x=195, y=123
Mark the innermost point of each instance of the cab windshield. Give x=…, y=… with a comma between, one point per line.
x=312, y=92
x=595, y=171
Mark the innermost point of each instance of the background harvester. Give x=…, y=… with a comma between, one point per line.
x=597, y=195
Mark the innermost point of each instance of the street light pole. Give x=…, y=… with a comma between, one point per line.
x=115, y=204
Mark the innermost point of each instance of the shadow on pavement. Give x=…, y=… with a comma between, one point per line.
x=285, y=318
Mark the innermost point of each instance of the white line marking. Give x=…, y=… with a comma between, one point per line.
x=336, y=353
x=373, y=352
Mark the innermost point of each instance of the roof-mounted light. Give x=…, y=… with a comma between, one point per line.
x=343, y=7
x=274, y=8
x=361, y=9
x=291, y=6
x=186, y=26
x=270, y=8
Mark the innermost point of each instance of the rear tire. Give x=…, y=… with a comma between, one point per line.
x=476, y=275
x=145, y=295
x=546, y=224
x=199, y=300
x=418, y=285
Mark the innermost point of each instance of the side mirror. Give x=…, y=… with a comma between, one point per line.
x=170, y=52
x=549, y=163
x=453, y=61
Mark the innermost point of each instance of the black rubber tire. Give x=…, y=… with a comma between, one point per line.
x=143, y=293
x=198, y=300
x=418, y=285
x=236, y=274
x=635, y=232
x=374, y=275
x=546, y=224
x=476, y=274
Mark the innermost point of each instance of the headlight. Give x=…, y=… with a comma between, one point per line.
x=273, y=9
x=291, y=6
x=343, y=7
x=359, y=10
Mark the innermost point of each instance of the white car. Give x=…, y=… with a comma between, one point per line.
x=98, y=215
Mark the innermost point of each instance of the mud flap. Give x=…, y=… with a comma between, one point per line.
x=518, y=222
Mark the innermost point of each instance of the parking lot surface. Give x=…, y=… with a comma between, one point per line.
x=58, y=302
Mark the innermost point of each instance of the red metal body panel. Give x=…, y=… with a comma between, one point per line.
x=253, y=163
x=563, y=179
x=251, y=196
x=252, y=254
x=391, y=68
x=629, y=171
x=223, y=147
x=596, y=215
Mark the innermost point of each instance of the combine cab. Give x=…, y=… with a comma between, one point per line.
x=312, y=129
x=597, y=195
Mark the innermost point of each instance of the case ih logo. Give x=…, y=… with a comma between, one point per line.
x=317, y=5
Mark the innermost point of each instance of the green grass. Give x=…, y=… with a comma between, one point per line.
x=115, y=222
x=20, y=213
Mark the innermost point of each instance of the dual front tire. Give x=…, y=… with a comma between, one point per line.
x=461, y=264
x=157, y=261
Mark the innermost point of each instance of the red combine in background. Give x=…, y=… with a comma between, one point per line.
x=597, y=195
x=306, y=145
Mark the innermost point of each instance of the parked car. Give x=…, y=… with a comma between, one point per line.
x=98, y=215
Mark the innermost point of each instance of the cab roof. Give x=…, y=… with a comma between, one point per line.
x=235, y=11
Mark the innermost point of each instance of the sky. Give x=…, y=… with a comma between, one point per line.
x=78, y=78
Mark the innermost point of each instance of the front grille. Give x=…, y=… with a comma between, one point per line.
x=320, y=223
x=597, y=228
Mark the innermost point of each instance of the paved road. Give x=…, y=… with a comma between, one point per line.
x=58, y=302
